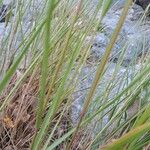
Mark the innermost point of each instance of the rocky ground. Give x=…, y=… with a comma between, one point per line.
x=134, y=40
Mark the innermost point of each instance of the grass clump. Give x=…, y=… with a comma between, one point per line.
x=47, y=57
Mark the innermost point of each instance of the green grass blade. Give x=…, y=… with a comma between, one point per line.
x=14, y=66
x=127, y=138
x=44, y=74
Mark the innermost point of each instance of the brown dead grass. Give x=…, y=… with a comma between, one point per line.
x=18, y=117
x=17, y=120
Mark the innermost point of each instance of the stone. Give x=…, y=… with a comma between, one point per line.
x=121, y=79
x=134, y=37
x=130, y=39
x=142, y=3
